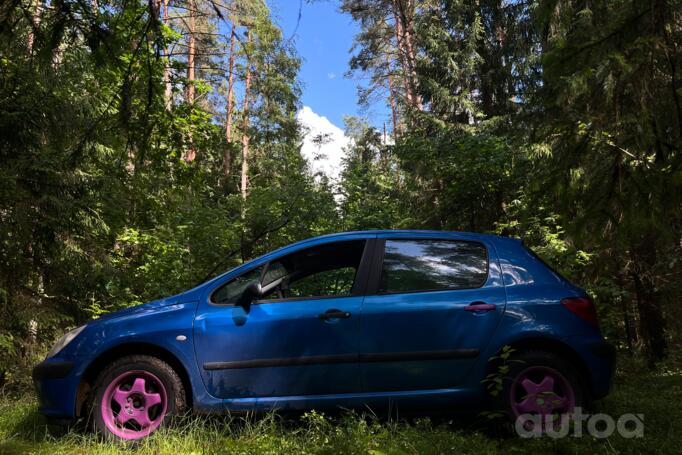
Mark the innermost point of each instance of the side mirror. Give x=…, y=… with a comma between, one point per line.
x=253, y=291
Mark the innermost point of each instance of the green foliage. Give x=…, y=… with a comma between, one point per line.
x=613, y=115
x=460, y=178
x=100, y=208
x=371, y=187
x=557, y=121
x=552, y=120
x=493, y=382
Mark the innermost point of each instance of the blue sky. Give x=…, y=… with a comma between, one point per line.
x=323, y=40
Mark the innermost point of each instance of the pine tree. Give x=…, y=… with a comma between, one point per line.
x=611, y=106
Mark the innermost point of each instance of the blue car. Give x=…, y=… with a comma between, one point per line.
x=413, y=319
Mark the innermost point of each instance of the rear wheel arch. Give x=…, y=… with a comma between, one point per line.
x=551, y=346
x=123, y=350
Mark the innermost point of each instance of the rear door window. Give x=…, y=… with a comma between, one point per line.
x=432, y=265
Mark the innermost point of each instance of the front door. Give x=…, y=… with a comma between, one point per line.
x=299, y=338
x=436, y=303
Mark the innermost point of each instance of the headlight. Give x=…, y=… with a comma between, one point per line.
x=63, y=341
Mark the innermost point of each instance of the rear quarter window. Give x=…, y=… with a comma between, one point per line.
x=547, y=266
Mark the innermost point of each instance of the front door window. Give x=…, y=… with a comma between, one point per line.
x=323, y=271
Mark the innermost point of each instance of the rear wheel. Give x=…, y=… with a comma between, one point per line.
x=136, y=395
x=540, y=390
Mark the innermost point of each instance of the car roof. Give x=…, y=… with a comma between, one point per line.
x=425, y=232
x=312, y=241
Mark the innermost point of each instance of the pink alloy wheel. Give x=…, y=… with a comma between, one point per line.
x=134, y=404
x=541, y=391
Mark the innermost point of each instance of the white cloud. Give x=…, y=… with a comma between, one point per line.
x=331, y=75
x=326, y=157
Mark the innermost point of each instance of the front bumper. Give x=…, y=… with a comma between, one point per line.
x=56, y=385
x=52, y=370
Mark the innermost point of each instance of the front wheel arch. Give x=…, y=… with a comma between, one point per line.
x=124, y=350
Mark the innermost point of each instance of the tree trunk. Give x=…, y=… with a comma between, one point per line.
x=403, y=12
x=245, y=127
x=35, y=23
x=230, y=106
x=191, y=45
x=651, y=320
x=189, y=90
x=402, y=59
x=394, y=111
x=408, y=15
x=624, y=304
x=168, y=94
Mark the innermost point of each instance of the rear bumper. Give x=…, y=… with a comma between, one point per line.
x=56, y=385
x=600, y=357
x=604, y=350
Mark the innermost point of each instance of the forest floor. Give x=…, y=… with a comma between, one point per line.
x=657, y=395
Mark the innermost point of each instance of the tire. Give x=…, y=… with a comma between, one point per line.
x=134, y=396
x=539, y=384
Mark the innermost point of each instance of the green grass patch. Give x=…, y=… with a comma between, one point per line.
x=655, y=394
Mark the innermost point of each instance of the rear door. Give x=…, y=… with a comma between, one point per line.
x=433, y=304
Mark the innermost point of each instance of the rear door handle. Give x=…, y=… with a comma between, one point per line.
x=480, y=306
x=333, y=314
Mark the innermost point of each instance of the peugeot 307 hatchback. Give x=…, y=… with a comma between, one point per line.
x=412, y=319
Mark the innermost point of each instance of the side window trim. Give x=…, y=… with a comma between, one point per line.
x=362, y=274
x=301, y=299
x=375, y=270
x=377, y=265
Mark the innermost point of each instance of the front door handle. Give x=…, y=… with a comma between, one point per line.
x=333, y=314
x=480, y=306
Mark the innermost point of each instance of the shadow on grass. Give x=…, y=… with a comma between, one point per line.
x=26, y=428
x=655, y=394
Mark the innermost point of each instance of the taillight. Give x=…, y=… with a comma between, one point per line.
x=583, y=307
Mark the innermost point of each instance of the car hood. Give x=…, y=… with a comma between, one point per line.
x=132, y=323
x=144, y=307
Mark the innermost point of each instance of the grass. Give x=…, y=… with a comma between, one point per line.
x=657, y=395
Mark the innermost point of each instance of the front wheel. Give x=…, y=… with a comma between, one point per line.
x=136, y=395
